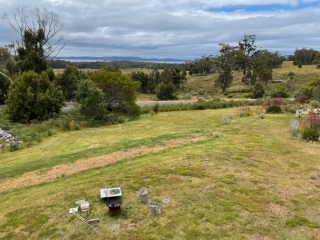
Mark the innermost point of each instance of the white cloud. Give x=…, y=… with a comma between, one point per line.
x=179, y=29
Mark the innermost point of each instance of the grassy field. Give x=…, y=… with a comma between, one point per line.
x=202, y=87
x=254, y=181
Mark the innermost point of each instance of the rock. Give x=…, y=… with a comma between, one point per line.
x=215, y=134
x=8, y=138
x=166, y=200
x=132, y=225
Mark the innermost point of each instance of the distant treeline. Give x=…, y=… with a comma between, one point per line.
x=202, y=65
x=119, y=64
x=305, y=56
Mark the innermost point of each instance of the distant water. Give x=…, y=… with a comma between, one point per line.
x=101, y=60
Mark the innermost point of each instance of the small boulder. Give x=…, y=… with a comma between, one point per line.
x=215, y=134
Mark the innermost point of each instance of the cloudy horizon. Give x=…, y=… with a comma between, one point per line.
x=176, y=29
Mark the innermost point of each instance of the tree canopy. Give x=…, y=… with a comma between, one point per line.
x=90, y=98
x=4, y=88
x=304, y=56
x=31, y=56
x=33, y=97
x=68, y=81
x=118, y=89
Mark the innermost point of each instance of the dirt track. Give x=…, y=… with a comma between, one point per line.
x=32, y=178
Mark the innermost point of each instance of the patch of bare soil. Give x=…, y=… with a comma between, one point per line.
x=84, y=164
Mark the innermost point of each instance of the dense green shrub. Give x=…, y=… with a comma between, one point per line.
x=4, y=88
x=134, y=110
x=165, y=91
x=156, y=108
x=274, y=109
x=310, y=134
x=280, y=92
x=258, y=90
x=33, y=97
x=90, y=98
x=310, y=92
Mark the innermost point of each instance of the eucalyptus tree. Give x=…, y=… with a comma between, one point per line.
x=32, y=21
x=7, y=67
x=119, y=91
x=304, y=56
x=316, y=60
x=224, y=64
x=246, y=56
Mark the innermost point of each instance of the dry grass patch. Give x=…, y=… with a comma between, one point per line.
x=85, y=164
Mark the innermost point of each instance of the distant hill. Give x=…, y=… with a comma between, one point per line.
x=114, y=58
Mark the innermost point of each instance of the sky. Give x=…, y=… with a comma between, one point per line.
x=180, y=29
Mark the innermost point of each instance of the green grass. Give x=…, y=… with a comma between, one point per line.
x=255, y=181
x=40, y=161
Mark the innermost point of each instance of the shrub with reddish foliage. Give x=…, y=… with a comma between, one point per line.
x=310, y=126
x=273, y=102
x=245, y=111
x=273, y=105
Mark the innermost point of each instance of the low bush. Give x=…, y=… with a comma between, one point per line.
x=273, y=105
x=70, y=120
x=156, y=108
x=291, y=108
x=258, y=90
x=274, y=109
x=245, y=111
x=134, y=110
x=279, y=94
x=310, y=134
x=310, y=127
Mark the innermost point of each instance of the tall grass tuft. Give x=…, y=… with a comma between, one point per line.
x=245, y=111
x=310, y=127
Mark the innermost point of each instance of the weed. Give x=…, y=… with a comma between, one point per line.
x=298, y=220
x=310, y=127
x=245, y=111
x=156, y=108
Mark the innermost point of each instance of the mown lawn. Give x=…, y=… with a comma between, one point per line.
x=255, y=181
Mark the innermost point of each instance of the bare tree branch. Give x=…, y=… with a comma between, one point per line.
x=22, y=20
x=5, y=76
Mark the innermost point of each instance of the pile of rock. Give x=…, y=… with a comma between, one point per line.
x=6, y=139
